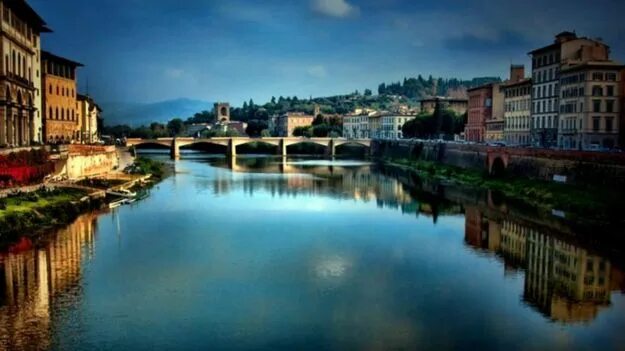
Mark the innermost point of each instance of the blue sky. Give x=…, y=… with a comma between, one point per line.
x=233, y=50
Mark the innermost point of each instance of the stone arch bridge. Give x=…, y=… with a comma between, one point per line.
x=231, y=143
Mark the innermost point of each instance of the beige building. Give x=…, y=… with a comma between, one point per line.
x=391, y=126
x=286, y=124
x=89, y=113
x=356, y=126
x=20, y=110
x=590, y=105
x=517, y=107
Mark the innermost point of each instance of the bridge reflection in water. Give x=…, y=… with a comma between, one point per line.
x=564, y=280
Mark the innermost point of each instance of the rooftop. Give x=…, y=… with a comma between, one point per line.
x=24, y=11
x=48, y=56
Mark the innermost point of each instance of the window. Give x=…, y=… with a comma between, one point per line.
x=597, y=76
x=596, y=105
x=597, y=90
x=610, y=90
x=609, y=106
x=595, y=124
x=610, y=77
x=609, y=124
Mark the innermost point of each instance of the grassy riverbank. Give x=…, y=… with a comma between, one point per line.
x=28, y=214
x=588, y=201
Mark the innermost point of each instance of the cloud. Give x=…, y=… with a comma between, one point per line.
x=335, y=8
x=317, y=71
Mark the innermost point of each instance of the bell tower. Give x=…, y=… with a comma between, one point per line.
x=222, y=112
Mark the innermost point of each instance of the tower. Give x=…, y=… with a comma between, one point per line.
x=222, y=112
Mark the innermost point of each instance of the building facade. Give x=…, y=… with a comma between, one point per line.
x=391, y=126
x=61, y=122
x=493, y=126
x=517, y=112
x=286, y=124
x=517, y=92
x=590, y=105
x=546, y=65
x=20, y=120
x=458, y=106
x=89, y=114
x=480, y=110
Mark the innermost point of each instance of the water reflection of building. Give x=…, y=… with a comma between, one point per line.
x=562, y=280
x=32, y=278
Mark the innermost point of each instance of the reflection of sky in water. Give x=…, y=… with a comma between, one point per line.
x=195, y=268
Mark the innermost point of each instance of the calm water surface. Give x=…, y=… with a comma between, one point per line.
x=265, y=254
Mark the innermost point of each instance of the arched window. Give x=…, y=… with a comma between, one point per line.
x=50, y=116
x=13, y=62
x=57, y=114
x=63, y=114
x=50, y=89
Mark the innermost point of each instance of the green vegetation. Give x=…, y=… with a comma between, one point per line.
x=145, y=166
x=322, y=127
x=427, y=125
x=543, y=195
x=417, y=88
x=26, y=213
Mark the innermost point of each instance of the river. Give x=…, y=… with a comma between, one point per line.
x=262, y=253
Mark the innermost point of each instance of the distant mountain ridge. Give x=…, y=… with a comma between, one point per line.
x=137, y=114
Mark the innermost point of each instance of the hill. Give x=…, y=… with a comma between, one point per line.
x=137, y=114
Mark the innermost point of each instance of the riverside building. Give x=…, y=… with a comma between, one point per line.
x=20, y=107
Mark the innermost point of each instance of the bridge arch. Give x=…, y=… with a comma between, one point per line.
x=324, y=143
x=497, y=167
x=206, y=145
x=151, y=144
x=354, y=148
x=257, y=146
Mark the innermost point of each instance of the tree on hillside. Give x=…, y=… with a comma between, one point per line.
x=302, y=132
x=255, y=127
x=175, y=126
x=368, y=92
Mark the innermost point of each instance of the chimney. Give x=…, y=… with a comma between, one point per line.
x=517, y=73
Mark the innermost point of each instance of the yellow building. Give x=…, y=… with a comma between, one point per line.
x=286, y=124
x=20, y=121
x=61, y=122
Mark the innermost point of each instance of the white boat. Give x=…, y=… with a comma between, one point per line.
x=117, y=203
